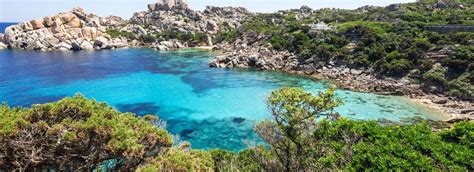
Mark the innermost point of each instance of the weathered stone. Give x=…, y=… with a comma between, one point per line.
x=62, y=46
x=37, y=24
x=86, y=45
x=89, y=33
x=393, y=7
x=66, y=17
x=152, y=7
x=76, y=46
x=101, y=42
x=356, y=72
x=2, y=46
x=212, y=26
x=440, y=100
x=440, y=5
x=74, y=23
x=51, y=41
x=467, y=110
x=27, y=26
x=48, y=21
x=140, y=30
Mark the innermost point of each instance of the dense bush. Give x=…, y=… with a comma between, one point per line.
x=393, y=43
x=117, y=33
x=80, y=133
x=176, y=159
x=300, y=142
x=230, y=36
x=377, y=27
x=147, y=38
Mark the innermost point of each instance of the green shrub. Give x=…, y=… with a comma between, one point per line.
x=82, y=133
x=230, y=36
x=176, y=159
x=200, y=36
x=460, y=59
x=437, y=75
x=395, y=63
x=147, y=38
x=377, y=27
x=116, y=34
x=278, y=42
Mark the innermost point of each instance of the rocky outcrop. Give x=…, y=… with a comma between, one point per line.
x=74, y=30
x=180, y=19
x=169, y=45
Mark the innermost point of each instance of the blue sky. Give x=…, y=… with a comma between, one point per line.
x=22, y=10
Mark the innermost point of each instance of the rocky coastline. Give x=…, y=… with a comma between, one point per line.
x=76, y=30
x=241, y=55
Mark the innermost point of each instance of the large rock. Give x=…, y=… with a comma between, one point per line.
x=74, y=23
x=440, y=100
x=101, y=42
x=440, y=5
x=89, y=33
x=140, y=30
x=212, y=26
x=393, y=7
x=76, y=46
x=54, y=32
x=2, y=46
x=86, y=45
x=67, y=17
x=37, y=24
x=48, y=21
x=467, y=110
x=152, y=7
x=62, y=46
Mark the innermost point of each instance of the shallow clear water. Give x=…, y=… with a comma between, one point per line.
x=211, y=108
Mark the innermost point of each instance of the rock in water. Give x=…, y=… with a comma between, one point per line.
x=62, y=46
x=76, y=46
x=86, y=45
x=2, y=46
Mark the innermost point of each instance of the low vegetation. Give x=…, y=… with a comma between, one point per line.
x=304, y=134
x=116, y=34
x=392, y=42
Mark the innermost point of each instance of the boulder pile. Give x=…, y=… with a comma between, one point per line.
x=74, y=30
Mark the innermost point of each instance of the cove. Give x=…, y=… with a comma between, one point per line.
x=211, y=108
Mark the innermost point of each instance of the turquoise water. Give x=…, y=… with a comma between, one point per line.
x=211, y=108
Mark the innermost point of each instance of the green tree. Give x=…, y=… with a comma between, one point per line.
x=295, y=113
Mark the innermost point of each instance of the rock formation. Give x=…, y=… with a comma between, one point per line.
x=181, y=19
x=74, y=30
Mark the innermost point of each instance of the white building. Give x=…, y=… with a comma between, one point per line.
x=321, y=26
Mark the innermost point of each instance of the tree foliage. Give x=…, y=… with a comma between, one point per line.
x=294, y=114
x=80, y=133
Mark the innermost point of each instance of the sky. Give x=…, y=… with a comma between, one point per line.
x=24, y=10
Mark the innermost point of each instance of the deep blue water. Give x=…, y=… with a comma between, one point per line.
x=211, y=108
x=3, y=26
